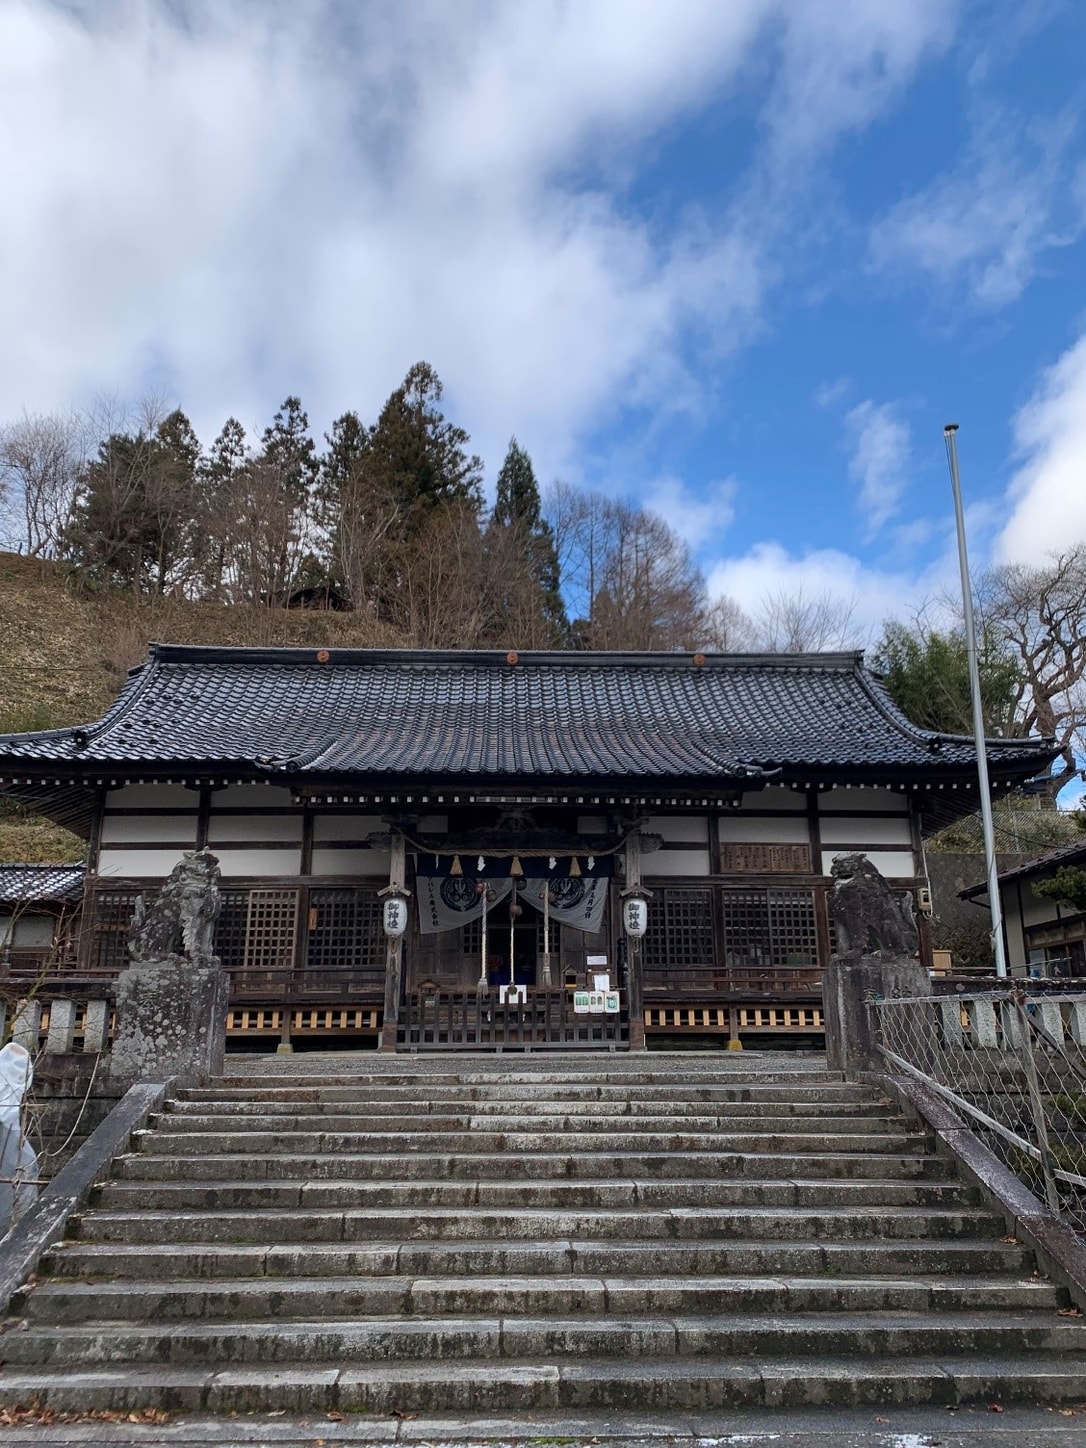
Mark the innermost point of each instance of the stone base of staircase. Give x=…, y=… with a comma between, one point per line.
x=646, y=1236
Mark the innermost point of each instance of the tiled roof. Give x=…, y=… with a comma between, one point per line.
x=29, y=884
x=314, y=715
x=1071, y=854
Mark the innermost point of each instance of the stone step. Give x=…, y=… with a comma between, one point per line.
x=496, y=1195
x=708, y=1257
x=439, y=1339
x=466, y=1236
x=242, y=1299
x=327, y=1224
x=471, y=1167
x=784, y=1096
x=422, y=1124
x=623, y=1072
x=486, y=1387
x=171, y=1142
x=546, y=1111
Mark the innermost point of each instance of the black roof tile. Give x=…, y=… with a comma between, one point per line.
x=468, y=715
x=40, y=884
x=1071, y=854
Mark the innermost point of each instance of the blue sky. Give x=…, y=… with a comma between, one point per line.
x=736, y=259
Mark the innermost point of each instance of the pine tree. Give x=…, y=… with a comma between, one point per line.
x=417, y=453
x=132, y=518
x=528, y=607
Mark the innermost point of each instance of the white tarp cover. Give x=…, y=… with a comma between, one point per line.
x=18, y=1160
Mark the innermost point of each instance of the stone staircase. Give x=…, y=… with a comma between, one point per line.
x=478, y=1235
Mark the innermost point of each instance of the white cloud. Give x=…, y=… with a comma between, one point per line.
x=829, y=394
x=697, y=518
x=237, y=201
x=879, y=456
x=1048, y=492
x=845, y=63
x=872, y=594
x=985, y=225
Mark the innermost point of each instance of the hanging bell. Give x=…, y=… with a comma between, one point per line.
x=480, y=865
x=574, y=868
x=516, y=869
x=456, y=868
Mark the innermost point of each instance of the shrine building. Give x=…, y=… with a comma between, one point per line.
x=480, y=850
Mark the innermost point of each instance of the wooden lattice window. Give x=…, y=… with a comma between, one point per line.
x=680, y=931
x=345, y=946
x=113, y=910
x=770, y=928
x=230, y=928
x=271, y=930
x=255, y=936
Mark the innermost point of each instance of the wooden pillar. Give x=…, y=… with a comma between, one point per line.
x=397, y=874
x=635, y=983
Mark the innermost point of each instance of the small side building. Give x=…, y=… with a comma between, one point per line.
x=39, y=917
x=1041, y=936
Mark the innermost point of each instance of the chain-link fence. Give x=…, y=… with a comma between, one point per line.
x=1013, y=1063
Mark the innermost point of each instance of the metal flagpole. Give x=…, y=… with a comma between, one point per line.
x=995, y=904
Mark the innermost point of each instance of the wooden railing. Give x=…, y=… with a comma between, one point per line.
x=440, y=1020
x=735, y=983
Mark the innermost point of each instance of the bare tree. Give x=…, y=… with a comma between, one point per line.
x=40, y=459
x=793, y=621
x=727, y=628
x=630, y=578
x=439, y=601
x=1040, y=614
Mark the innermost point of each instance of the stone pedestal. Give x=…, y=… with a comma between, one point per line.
x=849, y=985
x=171, y=1021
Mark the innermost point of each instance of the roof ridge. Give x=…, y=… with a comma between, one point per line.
x=162, y=652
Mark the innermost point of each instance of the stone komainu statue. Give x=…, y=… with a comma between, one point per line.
x=870, y=916
x=180, y=919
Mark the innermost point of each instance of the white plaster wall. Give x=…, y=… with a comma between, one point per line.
x=895, y=864
x=859, y=800
x=346, y=826
x=1016, y=940
x=680, y=829
x=781, y=830
x=152, y=796
x=257, y=829
x=259, y=796
x=147, y=829
x=1035, y=910
x=873, y=832
x=121, y=862
x=675, y=862
x=260, y=862
x=788, y=801
x=351, y=862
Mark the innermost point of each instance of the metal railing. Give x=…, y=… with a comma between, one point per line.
x=1012, y=1061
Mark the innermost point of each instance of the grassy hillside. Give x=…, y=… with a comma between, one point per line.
x=65, y=654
